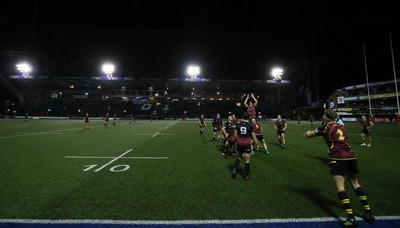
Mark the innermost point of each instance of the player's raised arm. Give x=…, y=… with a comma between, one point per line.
x=255, y=100
x=245, y=101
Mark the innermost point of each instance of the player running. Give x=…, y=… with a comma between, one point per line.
x=26, y=118
x=217, y=124
x=366, y=130
x=280, y=126
x=244, y=133
x=202, y=124
x=343, y=164
x=230, y=140
x=251, y=107
x=258, y=131
x=86, y=121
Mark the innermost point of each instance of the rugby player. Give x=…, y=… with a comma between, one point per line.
x=26, y=118
x=298, y=121
x=217, y=124
x=86, y=121
x=312, y=120
x=251, y=107
x=244, y=133
x=258, y=131
x=366, y=130
x=343, y=164
x=202, y=124
x=115, y=120
x=106, y=119
x=280, y=126
x=230, y=140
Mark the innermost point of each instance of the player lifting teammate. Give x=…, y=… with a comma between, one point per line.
x=230, y=140
x=280, y=126
x=258, y=131
x=343, y=164
x=244, y=133
x=86, y=121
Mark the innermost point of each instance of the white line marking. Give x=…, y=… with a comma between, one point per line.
x=150, y=158
x=386, y=137
x=102, y=167
x=182, y=222
x=39, y=133
x=153, y=135
x=171, y=124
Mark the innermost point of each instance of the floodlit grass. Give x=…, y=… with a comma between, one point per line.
x=39, y=182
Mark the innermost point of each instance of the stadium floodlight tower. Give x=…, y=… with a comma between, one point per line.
x=193, y=71
x=108, y=69
x=24, y=68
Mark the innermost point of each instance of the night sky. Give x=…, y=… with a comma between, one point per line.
x=228, y=39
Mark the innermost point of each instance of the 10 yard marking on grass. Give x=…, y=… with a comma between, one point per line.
x=116, y=168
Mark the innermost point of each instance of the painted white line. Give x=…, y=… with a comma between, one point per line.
x=116, y=158
x=183, y=222
x=171, y=124
x=88, y=157
x=40, y=133
x=386, y=137
x=153, y=135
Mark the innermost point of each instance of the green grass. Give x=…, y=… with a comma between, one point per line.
x=38, y=182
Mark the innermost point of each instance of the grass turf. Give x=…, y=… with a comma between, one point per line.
x=39, y=182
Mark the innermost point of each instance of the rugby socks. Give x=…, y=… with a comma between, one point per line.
x=363, y=199
x=237, y=162
x=345, y=201
x=247, y=169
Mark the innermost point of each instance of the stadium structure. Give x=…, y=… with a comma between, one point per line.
x=179, y=97
x=353, y=101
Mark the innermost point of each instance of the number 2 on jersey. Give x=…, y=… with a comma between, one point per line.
x=340, y=133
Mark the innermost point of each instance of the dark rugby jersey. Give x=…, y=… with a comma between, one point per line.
x=86, y=118
x=337, y=140
x=365, y=124
x=280, y=124
x=230, y=129
x=217, y=122
x=257, y=128
x=201, y=121
x=244, y=130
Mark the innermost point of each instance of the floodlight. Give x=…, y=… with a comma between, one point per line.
x=277, y=73
x=108, y=68
x=193, y=71
x=24, y=68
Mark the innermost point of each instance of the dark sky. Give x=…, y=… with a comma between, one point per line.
x=229, y=39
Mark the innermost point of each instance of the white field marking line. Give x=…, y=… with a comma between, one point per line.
x=182, y=222
x=155, y=134
x=170, y=125
x=38, y=133
x=152, y=135
x=148, y=158
x=44, y=133
x=116, y=158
